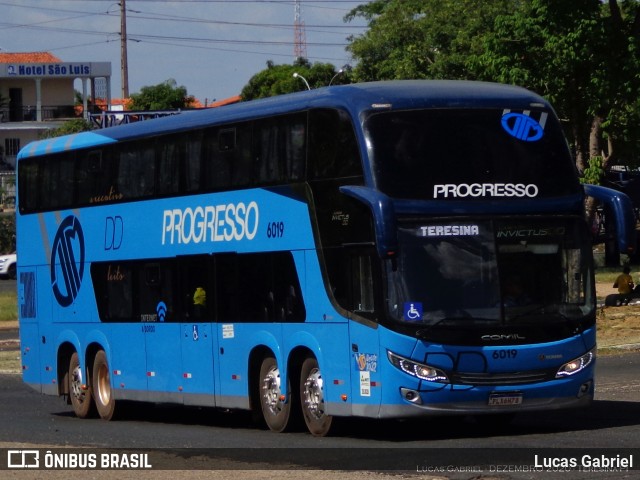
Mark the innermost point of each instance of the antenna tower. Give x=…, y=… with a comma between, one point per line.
x=299, y=37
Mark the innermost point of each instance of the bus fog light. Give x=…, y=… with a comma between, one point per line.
x=585, y=388
x=576, y=365
x=411, y=396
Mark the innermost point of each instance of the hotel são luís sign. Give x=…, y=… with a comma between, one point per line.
x=55, y=70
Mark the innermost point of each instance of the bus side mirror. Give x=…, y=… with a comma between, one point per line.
x=619, y=204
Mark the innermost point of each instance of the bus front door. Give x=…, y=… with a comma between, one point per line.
x=365, y=370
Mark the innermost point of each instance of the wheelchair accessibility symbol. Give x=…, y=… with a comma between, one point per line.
x=413, y=311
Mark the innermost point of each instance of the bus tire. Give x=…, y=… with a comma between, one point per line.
x=102, y=392
x=79, y=390
x=312, y=399
x=276, y=408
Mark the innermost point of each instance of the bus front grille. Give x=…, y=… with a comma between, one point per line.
x=506, y=378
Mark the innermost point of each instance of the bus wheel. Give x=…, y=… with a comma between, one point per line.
x=275, y=407
x=103, y=395
x=312, y=399
x=79, y=391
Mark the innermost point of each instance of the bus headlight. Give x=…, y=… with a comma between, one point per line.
x=576, y=365
x=419, y=370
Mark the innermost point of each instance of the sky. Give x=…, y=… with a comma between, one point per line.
x=211, y=47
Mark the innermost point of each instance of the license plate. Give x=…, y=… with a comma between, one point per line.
x=499, y=399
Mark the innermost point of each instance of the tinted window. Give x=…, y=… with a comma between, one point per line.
x=470, y=154
x=333, y=148
x=279, y=148
x=351, y=278
x=228, y=159
x=260, y=287
x=268, y=151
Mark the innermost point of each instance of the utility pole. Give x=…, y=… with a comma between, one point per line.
x=124, y=63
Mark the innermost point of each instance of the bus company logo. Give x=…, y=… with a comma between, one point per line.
x=464, y=190
x=67, y=261
x=210, y=223
x=522, y=127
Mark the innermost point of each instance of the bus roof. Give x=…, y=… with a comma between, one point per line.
x=356, y=98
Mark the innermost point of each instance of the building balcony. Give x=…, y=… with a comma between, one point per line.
x=30, y=114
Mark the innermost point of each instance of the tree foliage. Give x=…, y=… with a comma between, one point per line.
x=67, y=128
x=7, y=233
x=582, y=56
x=279, y=79
x=164, y=96
x=422, y=38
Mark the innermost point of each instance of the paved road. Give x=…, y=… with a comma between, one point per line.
x=213, y=438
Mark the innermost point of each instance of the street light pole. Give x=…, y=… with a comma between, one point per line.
x=297, y=75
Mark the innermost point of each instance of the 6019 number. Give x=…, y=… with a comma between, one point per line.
x=275, y=229
x=505, y=354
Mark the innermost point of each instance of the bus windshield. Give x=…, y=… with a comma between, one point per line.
x=470, y=154
x=489, y=272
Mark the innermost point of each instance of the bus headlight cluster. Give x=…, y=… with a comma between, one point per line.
x=576, y=365
x=415, y=369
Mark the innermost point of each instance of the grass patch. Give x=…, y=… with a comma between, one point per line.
x=608, y=275
x=8, y=307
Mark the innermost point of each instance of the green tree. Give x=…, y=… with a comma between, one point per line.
x=279, y=79
x=71, y=126
x=7, y=233
x=422, y=38
x=581, y=55
x=164, y=96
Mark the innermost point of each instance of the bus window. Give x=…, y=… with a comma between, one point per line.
x=260, y=287
x=28, y=185
x=350, y=273
x=168, y=181
x=191, y=152
x=155, y=292
x=94, y=177
x=279, y=148
x=333, y=148
x=228, y=161
x=57, y=181
x=113, y=283
x=136, y=171
x=435, y=154
x=221, y=145
x=198, y=294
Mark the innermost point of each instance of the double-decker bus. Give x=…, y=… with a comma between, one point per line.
x=385, y=250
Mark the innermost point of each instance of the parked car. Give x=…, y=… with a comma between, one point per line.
x=8, y=266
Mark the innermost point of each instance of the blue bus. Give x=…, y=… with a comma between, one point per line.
x=385, y=250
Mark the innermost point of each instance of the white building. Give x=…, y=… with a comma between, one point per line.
x=37, y=93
